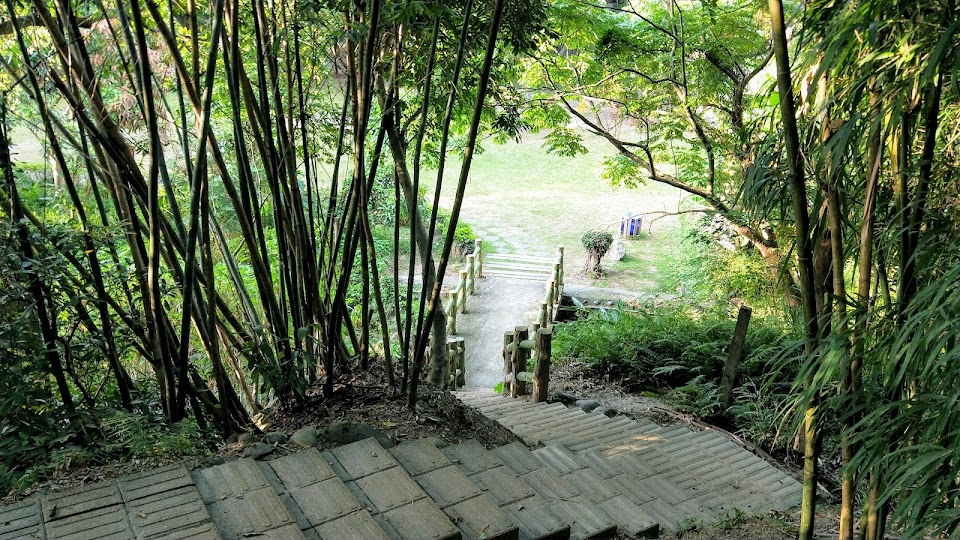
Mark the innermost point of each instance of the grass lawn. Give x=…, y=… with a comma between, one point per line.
x=534, y=201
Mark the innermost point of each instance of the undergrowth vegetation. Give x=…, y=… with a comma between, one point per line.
x=93, y=438
x=679, y=352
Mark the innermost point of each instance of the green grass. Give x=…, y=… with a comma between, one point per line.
x=27, y=149
x=544, y=200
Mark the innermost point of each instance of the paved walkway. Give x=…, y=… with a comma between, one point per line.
x=500, y=304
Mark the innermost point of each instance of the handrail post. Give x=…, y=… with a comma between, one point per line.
x=451, y=312
x=470, y=274
x=557, y=285
x=478, y=250
x=508, y=341
x=463, y=291
x=446, y=367
x=541, y=371
x=560, y=278
x=518, y=360
x=551, y=288
x=534, y=328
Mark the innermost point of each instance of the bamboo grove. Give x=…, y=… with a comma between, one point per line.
x=233, y=183
x=875, y=138
x=840, y=171
x=210, y=240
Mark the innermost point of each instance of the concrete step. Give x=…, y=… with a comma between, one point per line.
x=243, y=503
x=318, y=498
x=535, y=517
x=518, y=266
x=397, y=503
x=588, y=520
x=494, y=257
x=528, y=276
x=631, y=519
x=675, y=474
x=474, y=512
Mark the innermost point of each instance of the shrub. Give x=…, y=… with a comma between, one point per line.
x=597, y=243
x=463, y=239
x=666, y=345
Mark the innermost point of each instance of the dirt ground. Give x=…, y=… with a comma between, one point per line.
x=437, y=414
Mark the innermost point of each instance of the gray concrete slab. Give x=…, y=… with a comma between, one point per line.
x=355, y=526
x=595, y=488
x=589, y=521
x=502, y=484
x=59, y=505
x=538, y=519
x=551, y=485
x=632, y=520
x=302, y=469
x=205, y=531
x=447, y=486
x=153, y=481
x=21, y=520
x=560, y=459
x=518, y=458
x=422, y=520
x=325, y=501
x=162, y=513
x=229, y=480
x=480, y=517
x=471, y=457
x=363, y=458
x=258, y=512
x=109, y=523
x=390, y=489
x=419, y=456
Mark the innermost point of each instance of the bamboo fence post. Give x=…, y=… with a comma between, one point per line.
x=557, y=285
x=551, y=300
x=470, y=274
x=463, y=291
x=508, y=339
x=445, y=368
x=533, y=332
x=451, y=312
x=520, y=334
x=560, y=256
x=541, y=370
x=478, y=250
x=544, y=322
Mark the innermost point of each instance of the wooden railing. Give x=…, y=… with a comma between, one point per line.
x=456, y=298
x=519, y=347
x=456, y=302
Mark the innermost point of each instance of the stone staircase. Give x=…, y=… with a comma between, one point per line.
x=594, y=477
x=518, y=266
x=675, y=475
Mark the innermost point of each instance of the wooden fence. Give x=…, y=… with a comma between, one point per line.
x=456, y=302
x=456, y=298
x=524, y=343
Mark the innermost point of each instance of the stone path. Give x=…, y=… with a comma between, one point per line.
x=506, y=239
